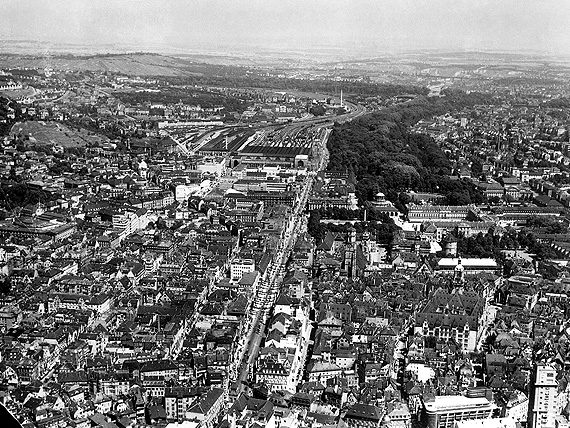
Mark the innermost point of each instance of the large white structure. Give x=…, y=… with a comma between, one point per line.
x=469, y=265
x=240, y=266
x=543, y=397
x=215, y=166
x=423, y=213
x=487, y=423
x=128, y=222
x=446, y=410
x=184, y=191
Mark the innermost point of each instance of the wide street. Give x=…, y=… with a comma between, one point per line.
x=252, y=332
x=268, y=290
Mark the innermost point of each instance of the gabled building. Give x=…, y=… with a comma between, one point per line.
x=207, y=409
x=452, y=316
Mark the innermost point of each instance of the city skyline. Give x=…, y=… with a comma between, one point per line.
x=243, y=214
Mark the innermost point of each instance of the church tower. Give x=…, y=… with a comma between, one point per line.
x=459, y=273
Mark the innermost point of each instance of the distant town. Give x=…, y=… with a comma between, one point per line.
x=375, y=243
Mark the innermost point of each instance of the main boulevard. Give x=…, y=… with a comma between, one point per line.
x=268, y=290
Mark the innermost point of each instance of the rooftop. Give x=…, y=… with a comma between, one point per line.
x=450, y=403
x=471, y=262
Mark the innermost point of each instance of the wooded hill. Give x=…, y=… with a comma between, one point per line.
x=381, y=153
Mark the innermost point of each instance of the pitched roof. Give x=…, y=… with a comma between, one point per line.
x=207, y=401
x=361, y=411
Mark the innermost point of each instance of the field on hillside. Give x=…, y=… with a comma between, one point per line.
x=41, y=132
x=129, y=64
x=17, y=93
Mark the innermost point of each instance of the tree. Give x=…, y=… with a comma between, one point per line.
x=384, y=155
x=314, y=226
x=5, y=285
x=317, y=110
x=458, y=198
x=494, y=200
x=476, y=167
x=551, y=225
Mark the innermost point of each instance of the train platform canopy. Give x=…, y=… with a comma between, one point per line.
x=276, y=151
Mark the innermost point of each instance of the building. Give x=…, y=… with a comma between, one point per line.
x=10, y=316
x=516, y=407
x=274, y=374
x=543, y=391
x=240, y=266
x=487, y=423
x=469, y=265
x=520, y=214
x=452, y=316
x=444, y=411
x=42, y=226
x=249, y=282
x=213, y=166
x=177, y=401
x=321, y=371
x=363, y=415
x=161, y=369
x=207, y=408
x=422, y=213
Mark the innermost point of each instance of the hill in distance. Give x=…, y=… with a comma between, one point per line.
x=135, y=64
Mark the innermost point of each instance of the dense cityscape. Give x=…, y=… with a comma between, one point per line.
x=210, y=241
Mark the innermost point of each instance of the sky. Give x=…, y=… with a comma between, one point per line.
x=358, y=25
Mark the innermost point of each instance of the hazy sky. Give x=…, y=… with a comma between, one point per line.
x=378, y=25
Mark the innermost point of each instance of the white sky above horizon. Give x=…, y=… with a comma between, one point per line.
x=374, y=25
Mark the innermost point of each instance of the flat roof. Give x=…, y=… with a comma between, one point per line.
x=449, y=261
x=448, y=403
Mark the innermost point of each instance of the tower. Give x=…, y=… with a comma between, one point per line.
x=459, y=273
x=352, y=236
x=143, y=169
x=449, y=245
x=366, y=240
x=341, y=98
x=47, y=62
x=542, y=408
